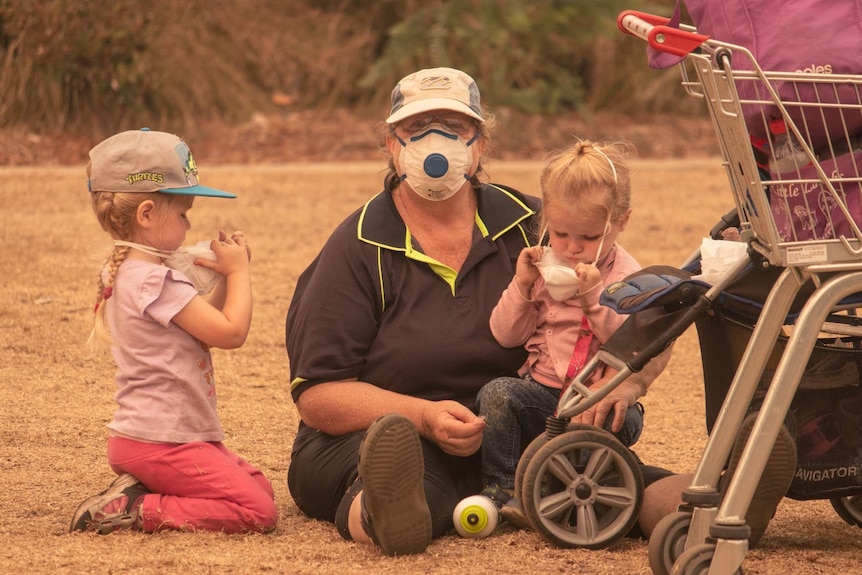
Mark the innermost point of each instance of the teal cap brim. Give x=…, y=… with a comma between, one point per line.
x=198, y=191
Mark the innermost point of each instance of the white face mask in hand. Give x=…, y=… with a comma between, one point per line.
x=183, y=260
x=436, y=163
x=560, y=279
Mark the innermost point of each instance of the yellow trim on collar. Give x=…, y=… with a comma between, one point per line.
x=296, y=382
x=446, y=273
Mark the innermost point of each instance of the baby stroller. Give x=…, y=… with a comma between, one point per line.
x=803, y=266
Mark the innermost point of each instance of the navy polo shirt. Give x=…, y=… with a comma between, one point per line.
x=372, y=307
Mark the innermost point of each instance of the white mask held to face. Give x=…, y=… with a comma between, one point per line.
x=436, y=163
x=560, y=279
x=183, y=260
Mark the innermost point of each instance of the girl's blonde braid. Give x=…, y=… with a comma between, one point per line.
x=115, y=213
x=106, y=280
x=101, y=333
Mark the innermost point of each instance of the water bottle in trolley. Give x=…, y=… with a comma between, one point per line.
x=787, y=154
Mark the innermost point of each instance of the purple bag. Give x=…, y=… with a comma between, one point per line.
x=809, y=36
x=808, y=211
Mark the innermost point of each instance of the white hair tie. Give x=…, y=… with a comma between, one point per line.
x=613, y=168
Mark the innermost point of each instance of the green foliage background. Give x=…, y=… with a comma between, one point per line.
x=98, y=66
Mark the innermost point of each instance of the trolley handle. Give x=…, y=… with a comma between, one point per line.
x=658, y=34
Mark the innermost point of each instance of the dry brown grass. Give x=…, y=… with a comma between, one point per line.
x=55, y=401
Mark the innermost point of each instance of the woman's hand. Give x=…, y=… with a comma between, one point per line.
x=619, y=400
x=456, y=429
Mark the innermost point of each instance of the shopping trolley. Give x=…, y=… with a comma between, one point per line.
x=802, y=218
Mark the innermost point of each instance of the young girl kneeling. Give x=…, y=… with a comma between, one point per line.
x=165, y=440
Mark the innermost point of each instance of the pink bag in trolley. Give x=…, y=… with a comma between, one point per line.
x=807, y=36
x=808, y=210
x=820, y=41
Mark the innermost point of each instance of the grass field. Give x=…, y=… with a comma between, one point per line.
x=55, y=399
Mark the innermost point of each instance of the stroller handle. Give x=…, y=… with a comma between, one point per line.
x=655, y=30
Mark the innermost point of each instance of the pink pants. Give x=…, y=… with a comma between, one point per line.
x=200, y=485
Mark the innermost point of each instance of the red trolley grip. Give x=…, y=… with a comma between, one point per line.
x=658, y=34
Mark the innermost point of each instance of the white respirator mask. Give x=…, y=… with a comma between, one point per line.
x=436, y=163
x=561, y=280
x=183, y=260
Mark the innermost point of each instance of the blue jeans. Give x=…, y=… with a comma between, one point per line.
x=515, y=411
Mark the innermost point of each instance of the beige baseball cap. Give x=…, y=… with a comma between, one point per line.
x=435, y=89
x=146, y=161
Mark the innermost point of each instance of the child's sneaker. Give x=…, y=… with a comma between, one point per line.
x=497, y=494
x=776, y=479
x=392, y=468
x=117, y=507
x=513, y=514
x=508, y=506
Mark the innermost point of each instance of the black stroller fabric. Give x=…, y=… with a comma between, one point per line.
x=664, y=301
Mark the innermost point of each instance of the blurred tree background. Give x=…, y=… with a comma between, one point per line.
x=99, y=66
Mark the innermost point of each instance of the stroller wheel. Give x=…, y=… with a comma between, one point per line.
x=530, y=451
x=849, y=509
x=697, y=560
x=582, y=488
x=667, y=542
